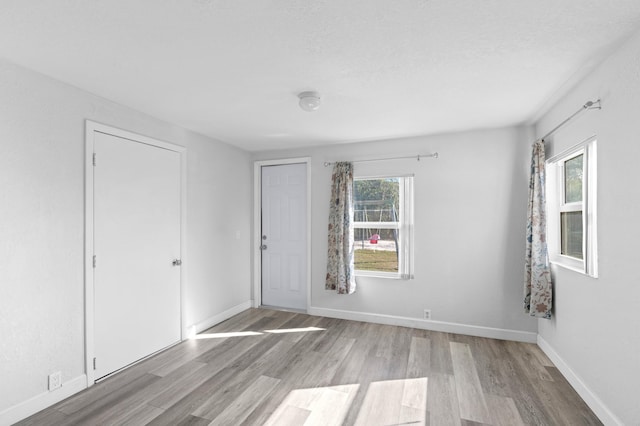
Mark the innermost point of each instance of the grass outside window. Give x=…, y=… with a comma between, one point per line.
x=376, y=260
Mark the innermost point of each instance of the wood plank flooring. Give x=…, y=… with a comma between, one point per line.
x=323, y=371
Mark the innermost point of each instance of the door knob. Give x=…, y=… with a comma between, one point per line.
x=263, y=247
x=176, y=262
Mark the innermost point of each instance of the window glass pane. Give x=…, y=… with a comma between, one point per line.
x=573, y=179
x=377, y=259
x=376, y=200
x=571, y=234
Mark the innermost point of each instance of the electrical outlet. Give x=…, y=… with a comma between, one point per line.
x=55, y=380
x=427, y=314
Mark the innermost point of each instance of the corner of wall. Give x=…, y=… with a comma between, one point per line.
x=198, y=327
x=589, y=397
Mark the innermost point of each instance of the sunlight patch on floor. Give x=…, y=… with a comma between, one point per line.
x=253, y=333
x=389, y=402
x=395, y=402
x=316, y=406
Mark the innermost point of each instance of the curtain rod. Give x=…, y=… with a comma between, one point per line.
x=417, y=157
x=589, y=105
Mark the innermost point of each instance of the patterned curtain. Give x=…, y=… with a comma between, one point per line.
x=340, y=268
x=537, y=277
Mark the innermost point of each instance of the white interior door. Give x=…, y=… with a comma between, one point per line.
x=284, y=236
x=136, y=238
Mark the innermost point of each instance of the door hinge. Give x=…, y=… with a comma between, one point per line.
x=94, y=158
x=94, y=260
x=94, y=363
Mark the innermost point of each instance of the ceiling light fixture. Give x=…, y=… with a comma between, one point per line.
x=309, y=101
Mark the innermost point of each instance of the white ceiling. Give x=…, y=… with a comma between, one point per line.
x=231, y=69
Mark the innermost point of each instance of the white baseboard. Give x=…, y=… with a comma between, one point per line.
x=447, y=327
x=217, y=319
x=597, y=406
x=40, y=402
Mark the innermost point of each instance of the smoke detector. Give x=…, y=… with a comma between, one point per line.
x=309, y=101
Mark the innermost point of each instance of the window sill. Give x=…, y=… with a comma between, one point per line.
x=386, y=275
x=573, y=268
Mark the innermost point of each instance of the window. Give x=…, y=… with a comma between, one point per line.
x=383, y=226
x=571, y=208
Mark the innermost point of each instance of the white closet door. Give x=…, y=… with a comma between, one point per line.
x=136, y=239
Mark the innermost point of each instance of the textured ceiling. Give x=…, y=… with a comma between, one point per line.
x=231, y=69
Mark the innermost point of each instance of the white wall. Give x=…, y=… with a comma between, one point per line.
x=594, y=330
x=42, y=220
x=219, y=223
x=470, y=209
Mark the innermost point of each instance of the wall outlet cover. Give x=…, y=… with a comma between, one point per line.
x=427, y=314
x=55, y=380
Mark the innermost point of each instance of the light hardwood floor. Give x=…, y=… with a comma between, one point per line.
x=329, y=372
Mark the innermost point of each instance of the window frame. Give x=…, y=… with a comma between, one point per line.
x=404, y=225
x=556, y=205
x=571, y=207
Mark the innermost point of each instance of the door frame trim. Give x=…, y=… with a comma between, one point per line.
x=90, y=128
x=257, y=224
